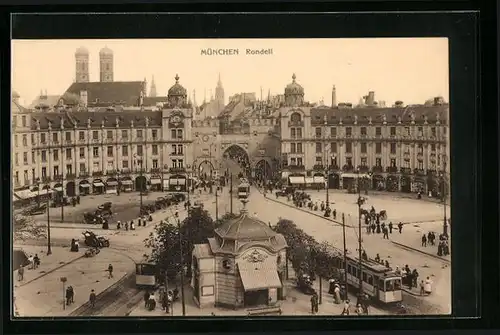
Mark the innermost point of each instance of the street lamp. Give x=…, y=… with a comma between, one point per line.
x=49, y=249
x=445, y=220
x=181, y=261
x=360, y=202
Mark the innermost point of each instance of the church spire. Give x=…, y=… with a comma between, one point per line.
x=152, y=92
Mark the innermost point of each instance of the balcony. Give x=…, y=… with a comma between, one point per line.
x=97, y=174
x=296, y=167
x=419, y=172
x=84, y=174
x=70, y=176
x=155, y=170
x=68, y=142
x=318, y=167
x=377, y=169
x=177, y=170
x=46, y=180
x=96, y=141
x=177, y=153
x=333, y=167
x=363, y=168
x=58, y=177
x=296, y=137
x=405, y=170
x=141, y=171
x=431, y=172
x=109, y=140
x=392, y=169
x=348, y=168
x=295, y=123
x=111, y=172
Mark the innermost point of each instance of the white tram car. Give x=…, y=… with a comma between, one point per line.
x=379, y=282
x=145, y=275
x=243, y=190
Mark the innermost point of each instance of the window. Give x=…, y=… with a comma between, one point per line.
x=363, y=161
x=393, y=162
x=56, y=170
x=318, y=132
x=333, y=132
x=124, y=134
x=393, y=131
x=179, y=149
x=139, y=150
x=95, y=167
x=155, y=163
x=82, y=152
x=299, y=132
x=68, y=136
x=15, y=140
x=124, y=150
x=179, y=134
x=363, y=131
x=348, y=131
x=370, y=280
x=406, y=163
x=154, y=134
x=420, y=164
x=95, y=135
x=349, y=161
x=25, y=158
x=33, y=173
x=333, y=147
x=293, y=148
x=32, y=138
x=318, y=148
x=69, y=169
x=420, y=149
x=407, y=131
x=420, y=131
x=139, y=133
x=173, y=133
x=25, y=140
x=293, y=161
x=26, y=176
x=44, y=172
x=378, y=148
x=95, y=152
x=154, y=149
x=393, y=148
x=348, y=147
x=378, y=131
x=433, y=147
x=125, y=164
x=299, y=161
x=363, y=147
x=55, y=137
x=110, y=151
x=365, y=277
x=55, y=154
x=295, y=117
x=433, y=131
x=68, y=153
x=378, y=161
x=81, y=135
x=292, y=133
x=44, y=156
x=299, y=148
x=42, y=138
x=23, y=120
x=319, y=161
x=109, y=134
x=33, y=160
x=82, y=168
x=174, y=163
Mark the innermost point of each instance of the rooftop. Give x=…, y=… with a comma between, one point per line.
x=125, y=93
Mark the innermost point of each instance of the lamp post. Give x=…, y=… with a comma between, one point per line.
x=187, y=187
x=445, y=219
x=345, y=251
x=141, y=188
x=119, y=182
x=182, y=263
x=360, y=203
x=49, y=249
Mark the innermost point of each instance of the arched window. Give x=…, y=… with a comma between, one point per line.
x=295, y=117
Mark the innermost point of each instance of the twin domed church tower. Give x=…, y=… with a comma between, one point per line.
x=105, y=65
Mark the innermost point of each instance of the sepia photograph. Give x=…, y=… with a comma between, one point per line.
x=230, y=177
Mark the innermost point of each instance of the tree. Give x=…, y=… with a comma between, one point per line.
x=226, y=217
x=164, y=245
x=25, y=228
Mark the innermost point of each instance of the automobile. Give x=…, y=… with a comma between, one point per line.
x=96, y=241
x=305, y=284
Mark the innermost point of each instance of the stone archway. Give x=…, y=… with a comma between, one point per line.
x=263, y=170
x=235, y=160
x=206, y=169
x=141, y=183
x=71, y=189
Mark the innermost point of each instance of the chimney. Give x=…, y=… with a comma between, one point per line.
x=370, y=99
x=84, y=98
x=334, y=97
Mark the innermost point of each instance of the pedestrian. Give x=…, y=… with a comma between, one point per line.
x=359, y=309
x=345, y=311
x=422, y=288
x=414, y=276
x=146, y=299
x=377, y=258
x=373, y=228
x=336, y=292
x=428, y=286
x=335, y=214
x=92, y=298
x=400, y=227
x=378, y=228
x=424, y=240
x=364, y=256
x=126, y=226
x=386, y=233
x=366, y=300
x=387, y=264
x=132, y=225
x=68, y=296
x=72, y=294
x=139, y=222
x=30, y=260
x=390, y=227
x=118, y=225
x=20, y=273
x=110, y=270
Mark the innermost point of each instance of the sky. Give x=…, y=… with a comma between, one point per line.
x=408, y=69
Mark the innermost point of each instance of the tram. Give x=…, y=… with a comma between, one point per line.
x=243, y=190
x=145, y=275
x=379, y=282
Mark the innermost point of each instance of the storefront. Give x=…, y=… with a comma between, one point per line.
x=418, y=185
x=378, y=182
x=84, y=187
x=298, y=181
x=406, y=184
x=111, y=186
x=98, y=186
x=126, y=184
x=392, y=184
x=156, y=183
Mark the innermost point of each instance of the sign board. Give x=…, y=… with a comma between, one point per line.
x=63, y=279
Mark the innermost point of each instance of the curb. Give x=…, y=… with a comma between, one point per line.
x=413, y=293
x=52, y=270
x=422, y=252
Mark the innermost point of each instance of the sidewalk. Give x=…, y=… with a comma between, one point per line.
x=44, y=296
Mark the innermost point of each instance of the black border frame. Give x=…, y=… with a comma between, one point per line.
x=462, y=30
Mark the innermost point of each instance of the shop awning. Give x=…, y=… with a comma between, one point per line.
x=24, y=194
x=165, y=183
x=45, y=191
x=155, y=181
x=58, y=188
x=355, y=175
x=177, y=181
x=127, y=182
x=309, y=180
x=319, y=179
x=256, y=276
x=297, y=180
x=98, y=184
x=112, y=183
x=86, y=185
x=285, y=174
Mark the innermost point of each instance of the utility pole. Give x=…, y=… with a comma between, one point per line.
x=445, y=221
x=62, y=179
x=345, y=251
x=231, y=193
x=360, y=202
x=182, y=264
x=216, y=203
x=49, y=249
